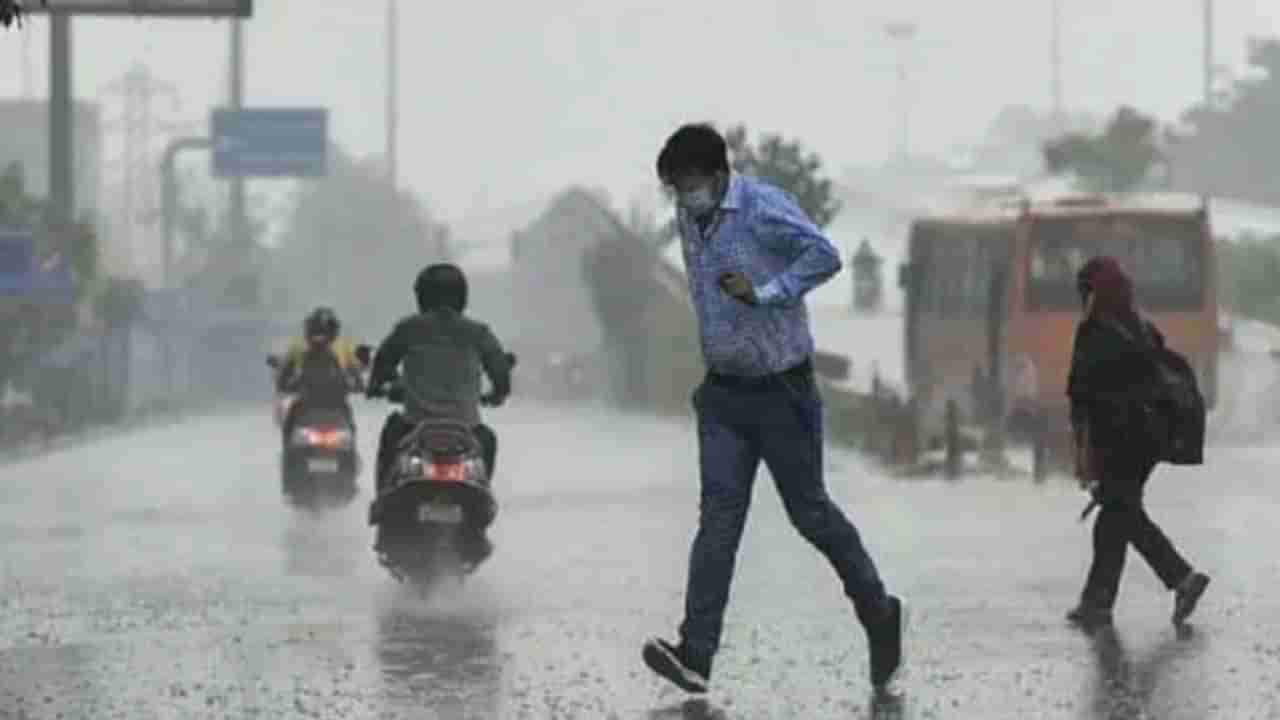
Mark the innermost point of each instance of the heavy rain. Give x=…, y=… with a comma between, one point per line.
x=190, y=531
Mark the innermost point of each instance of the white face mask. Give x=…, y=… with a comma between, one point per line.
x=699, y=202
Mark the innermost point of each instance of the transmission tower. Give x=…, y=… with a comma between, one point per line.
x=903, y=34
x=143, y=126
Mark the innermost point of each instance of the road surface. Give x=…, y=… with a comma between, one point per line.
x=158, y=575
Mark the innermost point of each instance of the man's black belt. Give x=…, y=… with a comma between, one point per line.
x=796, y=375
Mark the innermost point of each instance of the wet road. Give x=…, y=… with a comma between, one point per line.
x=159, y=576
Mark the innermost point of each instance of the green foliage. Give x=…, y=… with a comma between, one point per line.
x=16, y=206
x=77, y=241
x=1248, y=270
x=80, y=243
x=1118, y=159
x=354, y=243
x=785, y=164
x=11, y=12
x=120, y=301
x=1228, y=147
x=30, y=329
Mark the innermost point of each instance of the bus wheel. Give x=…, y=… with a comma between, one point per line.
x=952, y=441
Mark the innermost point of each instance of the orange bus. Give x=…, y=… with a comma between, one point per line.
x=991, y=305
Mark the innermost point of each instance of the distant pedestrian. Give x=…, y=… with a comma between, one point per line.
x=1109, y=359
x=751, y=255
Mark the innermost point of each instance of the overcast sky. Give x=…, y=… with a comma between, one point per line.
x=505, y=101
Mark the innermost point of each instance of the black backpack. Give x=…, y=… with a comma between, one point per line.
x=1170, y=410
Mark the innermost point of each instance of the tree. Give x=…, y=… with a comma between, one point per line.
x=1228, y=146
x=353, y=242
x=77, y=242
x=1013, y=142
x=1247, y=272
x=11, y=11
x=1025, y=125
x=1122, y=157
x=30, y=328
x=785, y=164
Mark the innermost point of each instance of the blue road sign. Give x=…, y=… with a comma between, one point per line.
x=276, y=142
x=17, y=250
x=23, y=277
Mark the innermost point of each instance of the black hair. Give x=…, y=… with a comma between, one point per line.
x=441, y=285
x=693, y=149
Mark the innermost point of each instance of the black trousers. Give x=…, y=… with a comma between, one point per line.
x=396, y=427
x=1122, y=521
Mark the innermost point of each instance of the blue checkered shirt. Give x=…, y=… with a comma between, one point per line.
x=761, y=232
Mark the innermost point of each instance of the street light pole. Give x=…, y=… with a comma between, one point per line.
x=61, y=145
x=393, y=90
x=1055, y=64
x=239, y=233
x=1208, y=53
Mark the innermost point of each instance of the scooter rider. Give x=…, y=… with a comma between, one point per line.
x=320, y=368
x=443, y=353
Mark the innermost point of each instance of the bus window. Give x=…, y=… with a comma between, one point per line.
x=953, y=266
x=1163, y=255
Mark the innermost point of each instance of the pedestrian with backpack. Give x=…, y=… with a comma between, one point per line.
x=1134, y=403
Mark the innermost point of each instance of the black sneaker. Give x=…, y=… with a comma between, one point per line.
x=677, y=665
x=1088, y=618
x=885, y=639
x=1187, y=595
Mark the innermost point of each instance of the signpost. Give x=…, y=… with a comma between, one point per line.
x=276, y=142
x=23, y=277
x=166, y=8
x=60, y=12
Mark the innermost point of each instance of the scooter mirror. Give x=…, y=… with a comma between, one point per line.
x=364, y=354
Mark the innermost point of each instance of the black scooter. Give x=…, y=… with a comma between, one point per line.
x=319, y=461
x=436, y=503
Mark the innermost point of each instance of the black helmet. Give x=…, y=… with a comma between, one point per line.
x=441, y=285
x=321, y=322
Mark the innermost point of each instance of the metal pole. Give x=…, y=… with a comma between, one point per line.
x=904, y=115
x=169, y=196
x=1208, y=53
x=239, y=223
x=28, y=87
x=61, y=187
x=1055, y=60
x=393, y=90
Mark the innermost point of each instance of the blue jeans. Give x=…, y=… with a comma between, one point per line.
x=781, y=425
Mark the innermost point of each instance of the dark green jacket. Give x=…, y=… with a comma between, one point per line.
x=443, y=353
